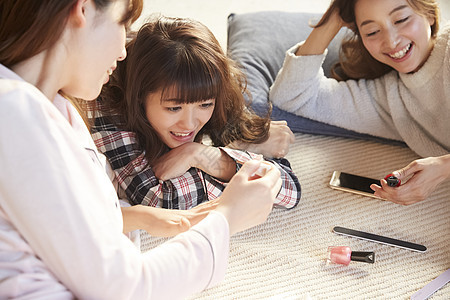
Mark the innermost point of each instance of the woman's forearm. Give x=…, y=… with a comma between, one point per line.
x=215, y=162
x=132, y=218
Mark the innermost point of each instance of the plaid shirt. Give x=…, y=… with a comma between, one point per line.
x=141, y=186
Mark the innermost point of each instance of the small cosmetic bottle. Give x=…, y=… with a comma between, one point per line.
x=343, y=255
x=392, y=181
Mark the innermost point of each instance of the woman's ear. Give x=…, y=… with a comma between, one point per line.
x=431, y=20
x=78, y=13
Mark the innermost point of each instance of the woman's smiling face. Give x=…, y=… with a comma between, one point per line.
x=394, y=34
x=175, y=122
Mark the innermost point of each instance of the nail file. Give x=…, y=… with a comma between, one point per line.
x=379, y=239
x=432, y=287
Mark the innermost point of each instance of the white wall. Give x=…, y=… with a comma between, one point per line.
x=213, y=13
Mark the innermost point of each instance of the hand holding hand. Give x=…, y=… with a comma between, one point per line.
x=163, y=222
x=424, y=176
x=210, y=159
x=248, y=199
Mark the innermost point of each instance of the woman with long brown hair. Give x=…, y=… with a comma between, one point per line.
x=175, y=88
x=392, y=83
x=61, y=227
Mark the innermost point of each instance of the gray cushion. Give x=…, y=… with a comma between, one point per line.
x=258, y=42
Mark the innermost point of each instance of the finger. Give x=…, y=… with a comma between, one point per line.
x=375, y=187
x=196, y=218
x=213, y=202
x=292, y=136
x=277, y=186
x=388, y=192
x=407, y=171
x=384, y=191
x=393, y=194
x=378, y=191
x=273, y=176
x=249, y=168
x=400, y=174
x=205, y=206
x=184, y=224
x=259, y=157
x=279, y=122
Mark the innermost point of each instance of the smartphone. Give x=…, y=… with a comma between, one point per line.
x=379, y=239
x=353, y=183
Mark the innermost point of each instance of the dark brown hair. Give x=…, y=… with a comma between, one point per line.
x=183, y=54
x=355, y=61
x=28, y=27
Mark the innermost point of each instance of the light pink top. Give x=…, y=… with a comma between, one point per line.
x=60, y=219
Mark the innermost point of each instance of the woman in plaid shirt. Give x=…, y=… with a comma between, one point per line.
x=176, y=88
x=61, y=226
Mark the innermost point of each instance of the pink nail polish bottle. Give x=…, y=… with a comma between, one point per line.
x=343, y=255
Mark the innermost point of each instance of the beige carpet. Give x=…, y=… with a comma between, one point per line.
x=284, y=258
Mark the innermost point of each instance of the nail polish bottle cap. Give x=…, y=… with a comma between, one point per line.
x=368, y=257
x=392, y=181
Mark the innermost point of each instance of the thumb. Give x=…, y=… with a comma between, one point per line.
x=184, y=224
x=249, y=168
x=407, y=171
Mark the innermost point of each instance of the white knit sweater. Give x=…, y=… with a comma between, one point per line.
x=414, y=108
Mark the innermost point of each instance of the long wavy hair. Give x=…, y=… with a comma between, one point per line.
x=355, y=62
x=183, y=54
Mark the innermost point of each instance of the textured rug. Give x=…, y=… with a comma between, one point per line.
x=285, y=258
